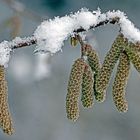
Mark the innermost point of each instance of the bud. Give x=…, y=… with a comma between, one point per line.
x=87, y=87
x=134, y=57
x=107, y=68
x=74, y=89
x=120, y=83
x=73, y=41
x=5, y=117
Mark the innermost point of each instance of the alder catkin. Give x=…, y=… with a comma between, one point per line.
x=134, y=57
x=5, y=117
x=85, y=49
x=87, y=87
x=93, y=61
x=74, y=89
x=107, y=68
x=120, y=83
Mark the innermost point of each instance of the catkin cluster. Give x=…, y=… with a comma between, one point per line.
x=84, y=83
x=90, y=78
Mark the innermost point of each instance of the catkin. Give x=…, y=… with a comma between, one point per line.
x=87, y=87
x=134, y=57
x=5, y=117
x=85, y=49
x=120, y=83
x=107, y=68
x=74, y=89
x=93, y=61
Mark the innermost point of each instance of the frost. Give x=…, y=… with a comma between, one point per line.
x=52, y=33
x=128, y=29
x=4, y=53
x=19, y=40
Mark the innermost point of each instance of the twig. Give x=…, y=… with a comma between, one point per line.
x=32, y=40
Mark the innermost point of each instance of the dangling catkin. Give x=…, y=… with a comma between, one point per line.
x=5, y=117
x=107, y=68
x=93, y=61
x=74, y=89
x=85, y=49
x=121, y=82
x=87, y=87
x=134, y=57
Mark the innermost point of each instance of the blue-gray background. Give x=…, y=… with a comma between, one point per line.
x=38, y=107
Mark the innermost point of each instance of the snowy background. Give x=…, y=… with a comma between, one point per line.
x=38, y=107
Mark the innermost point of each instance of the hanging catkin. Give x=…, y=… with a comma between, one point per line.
x=107, y=67
x=87, y=87
x=5, y=117
x=74, y=89
x=134, y=57
x=121, y=82
x=93, y=61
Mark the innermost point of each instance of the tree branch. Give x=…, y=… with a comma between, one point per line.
x=23, y=42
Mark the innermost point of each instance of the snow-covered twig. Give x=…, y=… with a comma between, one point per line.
x=50, y=35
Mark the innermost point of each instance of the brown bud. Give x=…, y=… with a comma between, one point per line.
x=74, y=89
x=121, y=82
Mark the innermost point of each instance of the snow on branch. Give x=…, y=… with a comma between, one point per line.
x=51, y=34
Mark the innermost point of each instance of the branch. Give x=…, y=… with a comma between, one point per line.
x=111, y=21
x=23, y=42
x=51, y=34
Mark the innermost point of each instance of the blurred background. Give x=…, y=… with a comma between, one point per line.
x=38, y=84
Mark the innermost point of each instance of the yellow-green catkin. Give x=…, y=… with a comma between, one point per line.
x=134, y=46
x=74, y=89
x=5, y=117
x=87, y=87
x=107, y=68
x=120, y=83
x=93, y=61
x=134, y=57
